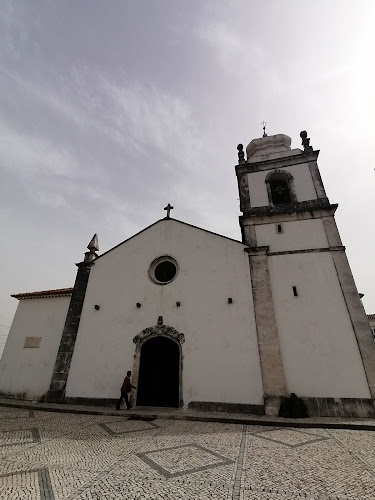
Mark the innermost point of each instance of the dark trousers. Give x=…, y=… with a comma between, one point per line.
x=124, y=395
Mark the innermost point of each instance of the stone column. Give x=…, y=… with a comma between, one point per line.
x=268, y=339
x=56, y=392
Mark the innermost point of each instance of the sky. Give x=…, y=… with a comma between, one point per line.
x=110, y=110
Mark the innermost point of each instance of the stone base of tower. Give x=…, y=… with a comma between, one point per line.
x=327, y=407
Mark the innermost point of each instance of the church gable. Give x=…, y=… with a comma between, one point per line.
x=185, y=258
x=176, y=224
x=196, y=255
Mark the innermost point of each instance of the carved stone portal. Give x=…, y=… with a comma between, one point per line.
x=144, y=336
x=156, y=331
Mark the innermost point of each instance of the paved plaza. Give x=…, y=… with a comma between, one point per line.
x=60, y=456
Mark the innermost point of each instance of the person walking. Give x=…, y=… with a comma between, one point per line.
x=125, y=390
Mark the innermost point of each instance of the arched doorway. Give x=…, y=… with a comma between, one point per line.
x=159, y=373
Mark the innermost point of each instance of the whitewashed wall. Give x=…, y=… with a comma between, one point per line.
x=318, y=346
x=220, y=353
x=26, y=372
x=303, y=184
x=296, y=235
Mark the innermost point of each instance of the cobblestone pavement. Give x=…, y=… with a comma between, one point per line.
x=83, y=457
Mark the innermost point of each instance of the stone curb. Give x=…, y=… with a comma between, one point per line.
x=134, y=415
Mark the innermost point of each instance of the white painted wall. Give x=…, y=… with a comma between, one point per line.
x=318, y=346
x=297, y=235
x=220, y=353
x=24, y=372
x=303, y=185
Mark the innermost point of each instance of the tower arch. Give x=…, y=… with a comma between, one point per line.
x=280, y=187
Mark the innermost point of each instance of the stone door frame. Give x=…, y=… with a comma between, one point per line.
x=150, y=333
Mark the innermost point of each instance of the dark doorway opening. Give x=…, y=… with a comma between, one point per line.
x=159, y=373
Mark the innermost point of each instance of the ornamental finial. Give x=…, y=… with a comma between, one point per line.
x=241, y=154
x=305, y=142
x=93, y=247
x=94, y=244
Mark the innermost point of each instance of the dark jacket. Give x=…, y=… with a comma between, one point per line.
x=126, y=386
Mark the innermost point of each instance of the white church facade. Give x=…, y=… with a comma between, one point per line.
x=205, y=321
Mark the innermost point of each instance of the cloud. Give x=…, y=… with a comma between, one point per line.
x=234, y=51
x=30, y=156
x=137, y=117
x=109, y=127
x=61, y=97
x=242, y=57
x=153, y=119
x=14, y=34
x=220, y=38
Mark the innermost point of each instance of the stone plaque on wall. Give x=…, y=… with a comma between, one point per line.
x=32, y=342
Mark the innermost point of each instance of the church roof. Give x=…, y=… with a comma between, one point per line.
x=59, y=292
x=175, y=220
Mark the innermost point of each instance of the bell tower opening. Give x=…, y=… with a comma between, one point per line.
x=280, y=188
x=279, y=192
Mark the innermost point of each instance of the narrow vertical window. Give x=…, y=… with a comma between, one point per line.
x=295, y=293
x=279, y=228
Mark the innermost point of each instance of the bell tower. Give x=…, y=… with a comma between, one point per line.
x=276, y=181
x=310, y=320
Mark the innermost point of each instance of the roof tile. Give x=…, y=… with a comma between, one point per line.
x=59, y=292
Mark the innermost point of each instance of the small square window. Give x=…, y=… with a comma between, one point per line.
x=279, y=228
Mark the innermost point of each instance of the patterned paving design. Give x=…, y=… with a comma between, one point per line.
x=56, y=456
x=290, y=437
x=116, y=428
x=182, y=460
x=19, y=437
x=34, y=483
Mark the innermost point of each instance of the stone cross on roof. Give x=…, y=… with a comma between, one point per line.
x=168, y=208
x=263, y=123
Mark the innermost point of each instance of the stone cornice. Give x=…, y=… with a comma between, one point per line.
x=308, y=250
x=255, y=251
x=285, y=161
x=313, y=208
x=264, y=250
